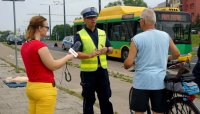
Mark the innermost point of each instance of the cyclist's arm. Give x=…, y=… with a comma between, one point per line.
x=131, y=56
x=174, y=51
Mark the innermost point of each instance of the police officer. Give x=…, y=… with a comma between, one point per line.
x=94, y=75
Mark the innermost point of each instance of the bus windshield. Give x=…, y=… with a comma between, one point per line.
x=179, y=32
x=176, y=24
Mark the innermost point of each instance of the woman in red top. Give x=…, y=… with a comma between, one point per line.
x=40, y=64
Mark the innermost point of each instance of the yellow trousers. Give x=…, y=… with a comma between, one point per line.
x=41, y=98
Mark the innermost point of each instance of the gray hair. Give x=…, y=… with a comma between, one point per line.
x=149, y=16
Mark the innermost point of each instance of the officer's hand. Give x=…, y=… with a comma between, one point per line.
x=95, y=53
x=104, y=49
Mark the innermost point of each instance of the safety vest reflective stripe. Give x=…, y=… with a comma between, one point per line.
x=91, y=64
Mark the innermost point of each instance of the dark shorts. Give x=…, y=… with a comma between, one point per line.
x=139, y=101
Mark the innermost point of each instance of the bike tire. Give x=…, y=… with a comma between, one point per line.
x=130, y=95
x=180, y=106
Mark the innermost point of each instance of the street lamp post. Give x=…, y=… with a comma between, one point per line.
x=64, y=18
x=49, y=22
x=49, y=19
x=99, y=6
x=16, y=58
x=167, y=3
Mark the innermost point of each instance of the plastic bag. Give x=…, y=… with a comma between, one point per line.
x=189, y=88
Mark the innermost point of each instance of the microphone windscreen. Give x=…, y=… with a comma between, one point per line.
x=76, y=46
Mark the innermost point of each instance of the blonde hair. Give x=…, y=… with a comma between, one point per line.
x=34, y=24
x=149, y=16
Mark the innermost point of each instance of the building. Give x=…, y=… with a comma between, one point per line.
x=171, y=3
x=191, y=6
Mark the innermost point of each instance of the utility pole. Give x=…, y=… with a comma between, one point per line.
x=16, y=58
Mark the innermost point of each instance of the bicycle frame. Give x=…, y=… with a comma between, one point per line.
x=174, y=99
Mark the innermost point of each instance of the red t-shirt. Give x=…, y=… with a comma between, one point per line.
x=35, y=69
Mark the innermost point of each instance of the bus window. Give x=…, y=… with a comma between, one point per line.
x=138, y=28
x=122, y=31
x=105, y=28
x=178, y=31
x=115, y=32
x=128, y=29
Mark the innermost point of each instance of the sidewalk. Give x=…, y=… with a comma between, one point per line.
x=14, y=100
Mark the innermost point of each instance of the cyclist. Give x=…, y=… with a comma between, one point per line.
x=149, y=50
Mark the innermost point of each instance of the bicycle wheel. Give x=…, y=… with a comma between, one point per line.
x=130, y=95
x=180, y=106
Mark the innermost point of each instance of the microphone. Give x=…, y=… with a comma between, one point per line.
x=75, y=48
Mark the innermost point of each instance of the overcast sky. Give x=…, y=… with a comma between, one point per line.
x=28, y=8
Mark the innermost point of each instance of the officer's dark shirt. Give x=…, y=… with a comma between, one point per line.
x=198, y=53
x=94, y=36
x=196, y=69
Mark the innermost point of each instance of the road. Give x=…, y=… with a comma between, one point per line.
x=51, y=46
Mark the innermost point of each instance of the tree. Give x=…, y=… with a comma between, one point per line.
x=116, y=3
x=198, y=19
x=196, y=24
x=4, y=35
x=134, y=3
x=128, y=3
x=59, y=33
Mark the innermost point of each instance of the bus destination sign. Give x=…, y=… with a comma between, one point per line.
x=171, y=17
x=127, y=16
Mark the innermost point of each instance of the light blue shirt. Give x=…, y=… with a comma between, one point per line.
x=151, y=59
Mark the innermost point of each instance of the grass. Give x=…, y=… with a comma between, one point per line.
x=11, y=46
x=195, y=40
x=12, y=65
x=195, y=43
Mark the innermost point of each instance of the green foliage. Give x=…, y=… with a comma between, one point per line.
x=195, y=40
x=4, y=35
x=128, y=3
x=196, y=24
x=77, y=18
x=134, y=3
x=116, y=3
x=58, y=32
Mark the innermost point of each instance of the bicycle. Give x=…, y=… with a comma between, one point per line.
x=177, y=102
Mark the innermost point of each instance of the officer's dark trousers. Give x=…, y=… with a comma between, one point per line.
x=98, y=82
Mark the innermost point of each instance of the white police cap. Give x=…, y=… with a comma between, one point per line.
x=89, y=12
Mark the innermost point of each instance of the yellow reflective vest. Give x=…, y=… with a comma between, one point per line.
x=91, y=64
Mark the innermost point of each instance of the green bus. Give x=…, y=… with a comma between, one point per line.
x=121, y=23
